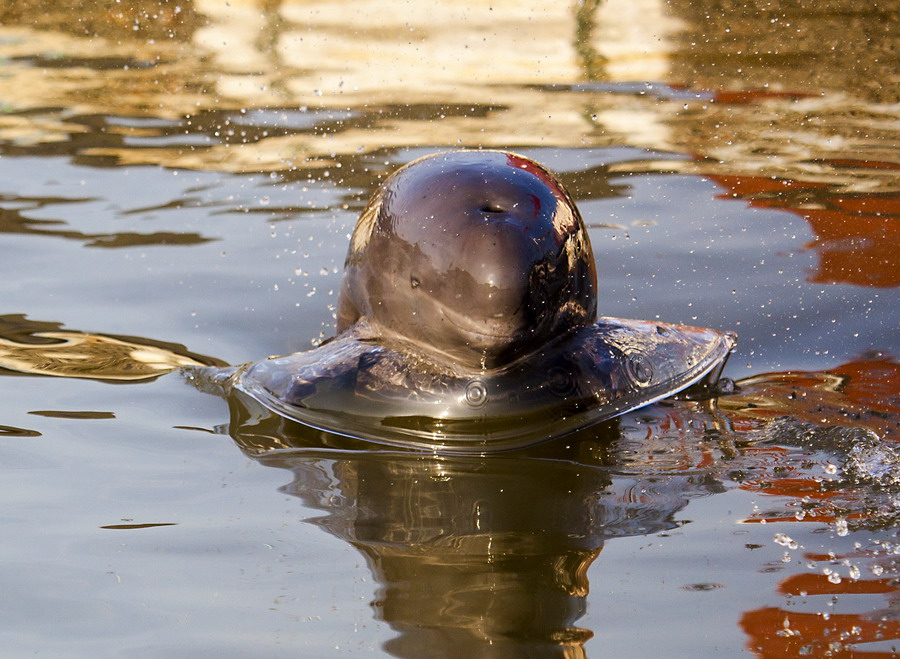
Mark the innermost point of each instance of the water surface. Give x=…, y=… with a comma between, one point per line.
x=183, y=177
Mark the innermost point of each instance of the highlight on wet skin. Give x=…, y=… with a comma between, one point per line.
x=467, y=320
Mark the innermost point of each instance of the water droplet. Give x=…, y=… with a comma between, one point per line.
x=785, y=541
x=840, y=526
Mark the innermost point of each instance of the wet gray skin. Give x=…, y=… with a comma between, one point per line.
x=476, y=257
x=467, y=320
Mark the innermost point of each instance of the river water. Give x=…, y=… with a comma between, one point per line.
x=178, y=181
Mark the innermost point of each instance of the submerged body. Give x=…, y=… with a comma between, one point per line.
x=467, y=320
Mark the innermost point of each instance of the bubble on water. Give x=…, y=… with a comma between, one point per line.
x=840, y=526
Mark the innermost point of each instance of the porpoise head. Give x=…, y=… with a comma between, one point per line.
x=477, y=257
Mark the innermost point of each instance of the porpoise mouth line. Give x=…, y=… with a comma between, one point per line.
x=460, y=321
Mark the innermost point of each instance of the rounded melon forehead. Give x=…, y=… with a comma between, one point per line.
x=479, y=256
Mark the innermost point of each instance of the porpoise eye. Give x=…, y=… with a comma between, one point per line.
x=492, y=208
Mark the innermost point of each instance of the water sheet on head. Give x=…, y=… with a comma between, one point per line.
x=389, y=393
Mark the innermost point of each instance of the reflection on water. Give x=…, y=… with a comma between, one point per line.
x=754, y=99
x=485, y=556
x=737, y=165
x=490, y=555
x=147, y=20
x=14, y=218
x=41, y=348
x=863, y=393
x=854, y=233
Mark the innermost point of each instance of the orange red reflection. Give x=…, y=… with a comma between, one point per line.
x=861, y=393
x=777, y=633
x=855, y=235
x=865, y=393
x=819, y=584
x=857, y=242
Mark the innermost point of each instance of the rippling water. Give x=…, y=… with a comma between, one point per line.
x=177, y=185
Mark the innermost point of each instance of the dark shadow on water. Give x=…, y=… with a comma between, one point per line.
x=475, y=556
x=147, y=20
x=17, y=221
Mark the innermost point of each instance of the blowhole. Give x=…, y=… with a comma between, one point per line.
x=492, y=208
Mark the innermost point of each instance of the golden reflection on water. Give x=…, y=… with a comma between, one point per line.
x=743, y=90
x=76, y=355
x=39, y=348
x=147, y=20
